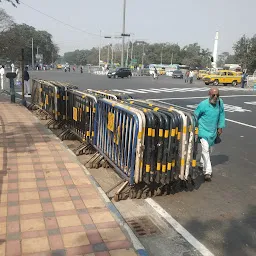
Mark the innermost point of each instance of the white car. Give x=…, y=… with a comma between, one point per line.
x=169, y=73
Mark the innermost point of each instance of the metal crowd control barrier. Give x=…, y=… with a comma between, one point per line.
x=109, y=94
x=81, y=109
x=120, y=137
x=50, y=99
x=150, y=145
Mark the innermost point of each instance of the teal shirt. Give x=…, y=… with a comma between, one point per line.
x=210, y=118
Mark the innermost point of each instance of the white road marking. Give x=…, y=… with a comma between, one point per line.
x=227, y=107
x=181, y=230
x=230, y=120
x=251, y=103
x=186, y=89
x=115, y=90
x=204, y=97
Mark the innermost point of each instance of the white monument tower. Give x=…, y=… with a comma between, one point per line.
x=215, y=50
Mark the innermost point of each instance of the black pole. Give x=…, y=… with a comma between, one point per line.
x=22, y=70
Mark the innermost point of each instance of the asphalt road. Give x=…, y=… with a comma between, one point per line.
x=220, y=214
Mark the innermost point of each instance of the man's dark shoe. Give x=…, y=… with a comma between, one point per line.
x=207, y=177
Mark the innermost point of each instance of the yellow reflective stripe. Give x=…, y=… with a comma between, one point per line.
x=131, y=102
x=182, y=162
x=196, y=131
x=58, y=96
x=58, y=113
x=92, y=134
x=141, y=164
x=83, y=96
x=145, y=110
x=173, y=162
x=84, y=139
x=156, y=109
x=184, y=129
x=139, y=135
x=176, y=130
x=94, y=110
x=113, y=104
x=88, y=134
x=161, y=131
x=164, y=168
x=87, y=109
x=150, y=105
x=194, y=163
x=158, y=166
x=170, y=109
x=178, y=137
x=149, y=132
x=147, y=167
x=153, y=133
x=166, y=133
x=169, y=166
x=190, y=128
x=173, y=132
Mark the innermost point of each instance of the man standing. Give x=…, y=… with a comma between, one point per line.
x=211, y=121
x=26, y=82
x=2, y=72
x=244, y=79
x=191, y=76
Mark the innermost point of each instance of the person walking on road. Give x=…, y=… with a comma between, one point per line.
x=186, y=76
x=26, y=82
x=211, y=121
x=155, y=73
x=191, y=76
x=244, y=79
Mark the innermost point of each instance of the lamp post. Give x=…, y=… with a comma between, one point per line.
x=112, y=48
x=123, y=33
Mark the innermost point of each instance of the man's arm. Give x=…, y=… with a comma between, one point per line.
x=198, y=111
x=221, y=123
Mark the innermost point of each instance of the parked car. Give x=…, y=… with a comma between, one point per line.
x=177, y=74
x=120, y=72
x=145, y=72
x=223, y=77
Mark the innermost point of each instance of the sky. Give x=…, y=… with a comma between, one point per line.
x=182, y=22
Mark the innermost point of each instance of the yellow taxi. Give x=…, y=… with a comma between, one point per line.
x=161, y=71
x=59, y=66
x=202, y=73
x=223, y=77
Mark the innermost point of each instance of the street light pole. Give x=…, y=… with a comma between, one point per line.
x=33, y=63
x=100, y=49
x=162, y=55
x=123, y=34
x=143, y=53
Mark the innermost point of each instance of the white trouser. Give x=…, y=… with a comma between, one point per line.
x=205, y=160
x=155, y=75
x=26, y=87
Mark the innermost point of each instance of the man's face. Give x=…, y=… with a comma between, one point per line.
x=214, y=96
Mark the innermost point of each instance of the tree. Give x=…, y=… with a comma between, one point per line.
x=13, y=2
x=20, y=36
x=245, y=52
x=6, y=20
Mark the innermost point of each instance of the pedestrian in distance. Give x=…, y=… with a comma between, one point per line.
x=186, y=76
x=155, y=73
x=211, y=120
x=81, y=70
x=191, y=76
x=26, y=82
x=2, y=72
x=244, y=79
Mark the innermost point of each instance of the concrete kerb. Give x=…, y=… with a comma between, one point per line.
x=140, y=250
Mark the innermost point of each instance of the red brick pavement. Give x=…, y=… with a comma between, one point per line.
x=48, y=206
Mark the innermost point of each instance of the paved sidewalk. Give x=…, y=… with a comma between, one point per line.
x=48, y=205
